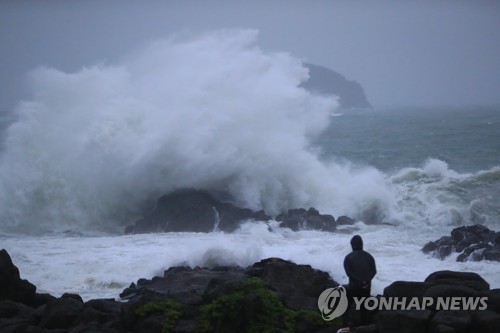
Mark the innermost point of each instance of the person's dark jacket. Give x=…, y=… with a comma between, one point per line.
x=359, y=265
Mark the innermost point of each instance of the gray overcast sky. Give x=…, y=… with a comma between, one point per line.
x=402, y=52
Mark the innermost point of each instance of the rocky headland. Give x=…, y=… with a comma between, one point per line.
x=328, y=82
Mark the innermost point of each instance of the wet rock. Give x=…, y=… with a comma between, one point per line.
x=345, y=220
x=185, y=285
x=467, y=279
x=194, y=210
x=473, y=243
x=460, y=321
x=61, y=313
x=200, y=211
x=485, y=321
x=311, y=219
x=406, y=289
x=12, y=287
x=402, y=321
x=299, y=286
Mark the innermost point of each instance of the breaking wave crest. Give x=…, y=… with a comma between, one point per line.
x=213, y=112
x=440, y=196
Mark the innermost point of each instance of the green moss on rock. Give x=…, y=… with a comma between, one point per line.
x=169, y=308
x=253, y=308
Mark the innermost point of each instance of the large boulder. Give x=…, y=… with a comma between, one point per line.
x=299, y=286
x=61, y=313
x=467, y=279
x=196, y=211
x=311, y=219
x=433, y=318
x=12, y=287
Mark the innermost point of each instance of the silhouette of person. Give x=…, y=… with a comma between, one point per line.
x=360, y=267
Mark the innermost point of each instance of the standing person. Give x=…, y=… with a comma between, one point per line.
x=360, y=267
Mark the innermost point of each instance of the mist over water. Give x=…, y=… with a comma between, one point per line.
x=92, y=148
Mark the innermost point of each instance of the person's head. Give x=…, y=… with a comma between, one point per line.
x=357, y=243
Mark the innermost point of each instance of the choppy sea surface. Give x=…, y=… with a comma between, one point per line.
x=88, y=152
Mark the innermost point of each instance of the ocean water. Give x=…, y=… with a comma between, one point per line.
x=86, y=153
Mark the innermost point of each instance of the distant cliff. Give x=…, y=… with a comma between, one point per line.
x=326, y=81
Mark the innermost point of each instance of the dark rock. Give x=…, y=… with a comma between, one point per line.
x=460, y=321
x=299, y=286
x=473, y=243
x=12, y=287
x=496, y=239
x=150, y=324
x=187, y=286
x=492, y=253
x=444, y=251
x=129, y=291
x=485, y=321
x=345, y=220
x=493, y=299
x=143, y=282
x=402, y=321
x=14, y=315
x=325, y=81
x=429, y=247
x=218, y=287
x=187, y=326
x=301, y=219
x=366, y=329
x=100, y=315
x=61, y=313
x=10, y=309
x=406, y=289
x=446, y=290
x=41, y=299
x=440, y=328
x=473, y=252
x=105, y=305
x=73, y=296
x=467, y=279
x=24, y=328
x=195, y=210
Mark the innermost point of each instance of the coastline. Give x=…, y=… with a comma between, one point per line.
x=279, y=294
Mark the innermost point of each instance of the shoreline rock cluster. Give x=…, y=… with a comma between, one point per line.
x=443, y=284
x=199, y=211
x=273, y=295
x=472, y=243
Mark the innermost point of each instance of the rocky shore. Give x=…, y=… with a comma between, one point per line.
x=272, y=295
x=470, y=243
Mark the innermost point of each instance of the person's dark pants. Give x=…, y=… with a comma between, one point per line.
x=353, y=317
